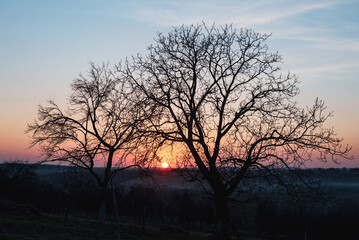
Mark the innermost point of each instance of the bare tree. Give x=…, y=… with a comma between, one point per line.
x=100, y=126
x=225, y=104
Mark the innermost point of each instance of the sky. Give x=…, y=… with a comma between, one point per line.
x=45, y=44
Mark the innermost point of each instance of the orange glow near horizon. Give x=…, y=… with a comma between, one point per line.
x=164, y=165
x=14, y=145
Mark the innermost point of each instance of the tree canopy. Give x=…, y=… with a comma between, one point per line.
x=100, y=127
x=224, y=100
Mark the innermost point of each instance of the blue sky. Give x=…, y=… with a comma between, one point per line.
x=45, y=44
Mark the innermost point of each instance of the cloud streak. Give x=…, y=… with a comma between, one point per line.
x=244, y=13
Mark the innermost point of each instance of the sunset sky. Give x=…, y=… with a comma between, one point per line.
x=45, y=44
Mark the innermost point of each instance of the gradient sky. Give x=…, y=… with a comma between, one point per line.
x=45, y=44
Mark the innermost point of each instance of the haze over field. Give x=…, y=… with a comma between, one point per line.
x=46, y=44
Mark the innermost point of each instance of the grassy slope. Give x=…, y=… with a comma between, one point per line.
x=54, y=227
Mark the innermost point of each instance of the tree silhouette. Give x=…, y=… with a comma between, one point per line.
x=99, y=126
x=224, y=103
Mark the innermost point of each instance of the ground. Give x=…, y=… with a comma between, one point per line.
x=23, y=222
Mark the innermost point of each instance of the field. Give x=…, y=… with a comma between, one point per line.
x=54, y=227
x=51, y=202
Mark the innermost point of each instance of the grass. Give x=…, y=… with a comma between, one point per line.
x=43, y=227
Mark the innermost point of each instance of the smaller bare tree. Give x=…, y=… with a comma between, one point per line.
x=100, y=126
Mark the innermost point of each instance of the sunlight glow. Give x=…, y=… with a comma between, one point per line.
x=165, y=165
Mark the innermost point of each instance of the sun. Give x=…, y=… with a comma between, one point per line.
x=165, y=165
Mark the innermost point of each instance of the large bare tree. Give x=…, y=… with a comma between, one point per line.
x=100, y=127
x=225, y=103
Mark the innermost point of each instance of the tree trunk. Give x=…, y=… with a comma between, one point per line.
x=222, y=217
x=116, y=212
x=102, y=211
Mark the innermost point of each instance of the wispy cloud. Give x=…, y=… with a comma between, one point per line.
x=244, y=13
x=278, y=11
x=328, y=69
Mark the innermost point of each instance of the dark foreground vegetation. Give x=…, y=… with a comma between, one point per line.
x=58, y=202
x=21, y=226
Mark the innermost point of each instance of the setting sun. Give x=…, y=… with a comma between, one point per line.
x=165, y=165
